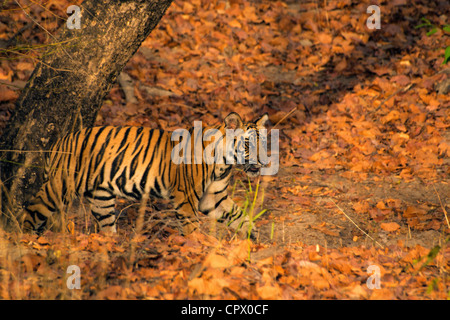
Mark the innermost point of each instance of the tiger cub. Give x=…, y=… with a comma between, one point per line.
x=102, y=163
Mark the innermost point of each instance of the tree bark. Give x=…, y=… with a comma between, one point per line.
x=66, y=89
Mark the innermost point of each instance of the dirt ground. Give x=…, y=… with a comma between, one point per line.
x=319, y=221
x=324, y=209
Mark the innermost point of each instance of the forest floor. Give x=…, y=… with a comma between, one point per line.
x=359, y=207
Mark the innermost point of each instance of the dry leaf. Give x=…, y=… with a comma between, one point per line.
x=269, y=292
x=390, y=226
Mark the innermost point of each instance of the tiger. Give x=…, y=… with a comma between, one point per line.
x=102, y=163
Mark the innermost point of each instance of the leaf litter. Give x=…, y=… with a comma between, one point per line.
x=363, y=118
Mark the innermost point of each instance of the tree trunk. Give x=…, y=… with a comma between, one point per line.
x=67, y=87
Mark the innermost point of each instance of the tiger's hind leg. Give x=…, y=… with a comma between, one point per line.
x=102, y=204
x=186, y=212
x=35, y=215
x=42, y=206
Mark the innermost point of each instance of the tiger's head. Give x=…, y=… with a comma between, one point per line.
x=246, y=143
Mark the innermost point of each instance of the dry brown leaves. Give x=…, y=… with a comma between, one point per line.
x=201, y=267
x=368, y=108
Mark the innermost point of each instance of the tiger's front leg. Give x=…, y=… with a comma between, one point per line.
x=186, y=208
x=218, y=205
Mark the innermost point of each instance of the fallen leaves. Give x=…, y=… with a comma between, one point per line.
x=371, y=106
x=390, y=226
x=209, y=285
x=422, y=218
x=7, y=94
x=202, y=267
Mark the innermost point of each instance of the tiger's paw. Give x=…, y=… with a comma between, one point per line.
x=108, y=230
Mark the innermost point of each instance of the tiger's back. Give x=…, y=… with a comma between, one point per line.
x=119, y=159
x=101, y=163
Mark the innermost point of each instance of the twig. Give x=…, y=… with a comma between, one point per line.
x=48, y=32
x=18, y=84
x=35, y=151
x=11, y=40
x=153, y=91
x=32, y=19
x=356, y=224
x=287, y=115
x=181, y=105
x=38, y=60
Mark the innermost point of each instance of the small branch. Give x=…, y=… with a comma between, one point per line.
x=356, y=224
x=159, y=92
x=284, y=118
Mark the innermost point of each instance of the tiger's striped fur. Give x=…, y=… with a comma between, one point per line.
x=103, y=163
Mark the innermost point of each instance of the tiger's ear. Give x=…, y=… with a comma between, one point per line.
x=261, y=122
x=233, y=121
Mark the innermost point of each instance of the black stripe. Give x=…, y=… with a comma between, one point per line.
x=103, y=198
x=101, y=152
x=217, y=192
x=137, y=193
x=107, y=206
x=134, y=165
x=155, y=194
x=220, y=201
x=121, y=181
x=49, y=199
x=117, y=132
x=143, y=181
x=116, y=164
x=225, y=173
x=125, y=137
x=138, y=141
x=163, y=173
x=101, y=217
x=88, y=173
x=157, y=187
x=148, y=144
x=180, y=205
x=83, y=146
x=95, y=139
x=144, y=178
